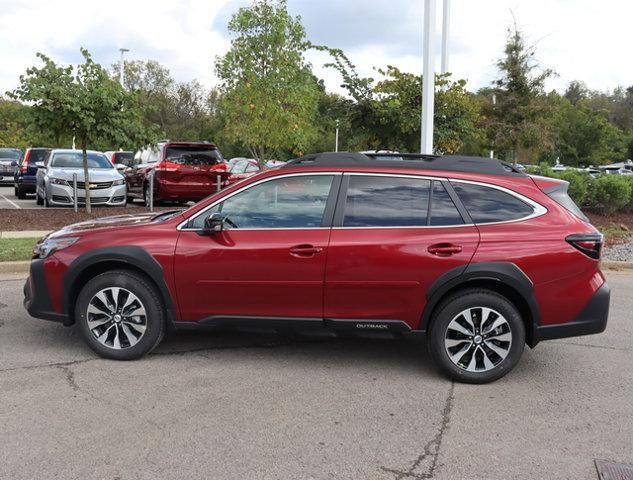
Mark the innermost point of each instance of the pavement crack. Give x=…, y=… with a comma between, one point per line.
x=70, y=376
x=431, y=449
x=588, y=345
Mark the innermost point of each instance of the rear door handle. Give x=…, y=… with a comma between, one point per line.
x=305, y=250
x=444, y=249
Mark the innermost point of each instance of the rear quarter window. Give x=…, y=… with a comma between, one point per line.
x=490, y=205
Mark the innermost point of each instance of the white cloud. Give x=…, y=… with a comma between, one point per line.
x=580, y=39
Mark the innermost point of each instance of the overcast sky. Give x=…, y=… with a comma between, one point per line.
x=580, y=39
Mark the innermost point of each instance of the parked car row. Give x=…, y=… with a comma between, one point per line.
x=179, y=172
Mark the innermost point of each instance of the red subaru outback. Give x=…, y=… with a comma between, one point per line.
x=475, y=256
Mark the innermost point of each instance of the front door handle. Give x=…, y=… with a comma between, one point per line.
x=305, y=250
x=444, y=249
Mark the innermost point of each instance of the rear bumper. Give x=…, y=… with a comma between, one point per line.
x=26, y=183
x=37, y=300
x=592, y=319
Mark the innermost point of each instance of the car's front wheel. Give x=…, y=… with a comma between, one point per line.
x=120, y=315
x=477, y=336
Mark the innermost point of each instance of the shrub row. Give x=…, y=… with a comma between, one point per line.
x=606, y=193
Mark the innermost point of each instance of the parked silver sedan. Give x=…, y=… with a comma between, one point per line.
x=54, y=181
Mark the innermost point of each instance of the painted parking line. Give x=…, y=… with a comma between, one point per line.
x=11, y=202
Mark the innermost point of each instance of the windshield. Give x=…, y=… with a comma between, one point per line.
x=11, y=153
x=75, y=160
x=193, y=155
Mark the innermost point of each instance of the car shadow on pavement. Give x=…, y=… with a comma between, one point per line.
x=402, y=354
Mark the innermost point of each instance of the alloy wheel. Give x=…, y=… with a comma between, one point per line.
x=116, y=317
x=478, y=339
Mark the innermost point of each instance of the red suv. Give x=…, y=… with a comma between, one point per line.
x=468, y=252
x=183, y=172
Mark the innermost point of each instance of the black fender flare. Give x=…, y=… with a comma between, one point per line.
x=506, y=273
x=132, y=255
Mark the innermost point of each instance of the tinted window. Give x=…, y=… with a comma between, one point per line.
x=123, y=158
x=443, y=210
x=288, y=202
x=251, y=168
x=38, y=155
x=485, y=204
x=75, y=160
x=193, y=155
x=386, y=202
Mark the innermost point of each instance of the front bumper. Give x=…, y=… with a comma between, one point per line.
x=37, y=300
x=592, y=319
x=62, y=195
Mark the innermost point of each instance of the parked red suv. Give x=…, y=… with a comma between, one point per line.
x=468, y=252
x=183, y=172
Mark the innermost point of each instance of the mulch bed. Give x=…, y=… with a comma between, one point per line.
x=624, y=219
x=56, y=218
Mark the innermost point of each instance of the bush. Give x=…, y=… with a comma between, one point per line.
x=611, y=193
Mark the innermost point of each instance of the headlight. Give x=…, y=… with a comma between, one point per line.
x=119, y=182
x=58, y=181
x=45, y=247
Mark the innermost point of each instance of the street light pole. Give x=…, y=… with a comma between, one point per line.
x=336, y=141
x=122, y=50
x=446, y=17
x=428, y=78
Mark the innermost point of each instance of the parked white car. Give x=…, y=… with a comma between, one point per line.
x=54, y=180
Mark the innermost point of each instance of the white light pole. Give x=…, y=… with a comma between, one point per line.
x=428, y=80
x=446, y=17
x=494, y=102
x=336, y=141
x=122, y=50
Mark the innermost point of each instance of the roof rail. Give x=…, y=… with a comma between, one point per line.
x=451, y=163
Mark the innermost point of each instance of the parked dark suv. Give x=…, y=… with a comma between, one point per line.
x=479, y=258
x=24, y=178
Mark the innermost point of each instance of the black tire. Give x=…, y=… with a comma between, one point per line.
x=38, y=199
x=46, y=204
x=142, y=288
x=450, y=309
x=20, y=193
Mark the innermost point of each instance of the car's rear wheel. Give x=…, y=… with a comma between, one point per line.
x=477, y=336
x=120, y=315
x=21, y=194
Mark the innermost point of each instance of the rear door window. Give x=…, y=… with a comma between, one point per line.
x=38, y=155
x=443, y=210
x=193, y=155
x=489, y=205
x=376, y=201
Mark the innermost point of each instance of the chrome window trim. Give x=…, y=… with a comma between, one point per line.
x=539, y=209
x=181, y=225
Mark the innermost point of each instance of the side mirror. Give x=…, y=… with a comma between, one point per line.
x=14, y=163
x=120, y=167
x=214, y=223
x=40, y=165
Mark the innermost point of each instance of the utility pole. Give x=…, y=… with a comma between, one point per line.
x=428, y=78
x=494, y=102
x=336, y=141
x=122, y=50
x=446, y=18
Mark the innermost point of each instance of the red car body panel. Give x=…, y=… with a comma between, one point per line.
x=385, y=273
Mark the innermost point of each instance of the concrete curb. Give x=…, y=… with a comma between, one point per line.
x=615, y=265
x=15, y=267
x=24, y=234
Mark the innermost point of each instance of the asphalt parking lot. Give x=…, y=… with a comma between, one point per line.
x=243, y=406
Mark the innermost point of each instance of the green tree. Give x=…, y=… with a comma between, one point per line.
x=269, y=95
x=518, y=118
x=83, y=101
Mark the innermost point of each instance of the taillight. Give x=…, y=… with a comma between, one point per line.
x=25, y=162
x=166, y=167
x=588, y=243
